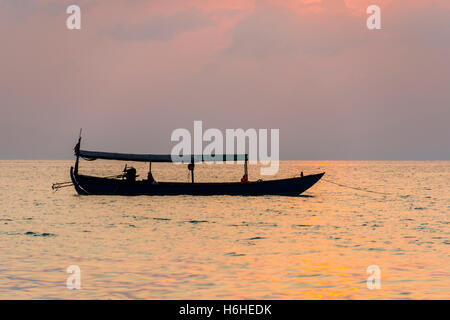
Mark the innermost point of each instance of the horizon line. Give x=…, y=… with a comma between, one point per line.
x=386, y=160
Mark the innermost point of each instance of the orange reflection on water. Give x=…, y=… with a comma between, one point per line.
x=315, y=247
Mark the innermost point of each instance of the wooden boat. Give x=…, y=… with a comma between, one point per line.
x=127, y=185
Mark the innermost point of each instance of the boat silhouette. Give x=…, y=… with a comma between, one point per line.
x=126, y=184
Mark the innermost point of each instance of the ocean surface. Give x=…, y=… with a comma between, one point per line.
x=316, y=246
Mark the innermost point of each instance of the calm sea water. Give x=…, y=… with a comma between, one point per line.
x=313, y=247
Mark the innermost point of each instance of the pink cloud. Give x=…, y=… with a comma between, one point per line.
x=150, y=66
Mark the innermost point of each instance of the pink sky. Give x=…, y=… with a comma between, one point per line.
x=139, y=69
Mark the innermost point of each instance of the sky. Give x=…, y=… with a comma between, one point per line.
x=137, y=70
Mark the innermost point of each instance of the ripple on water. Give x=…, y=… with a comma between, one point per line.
x=255, y=238
x=196, y=221
x=37, y=234
x=234, y=254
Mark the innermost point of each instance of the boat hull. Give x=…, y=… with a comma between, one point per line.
x=88, y=185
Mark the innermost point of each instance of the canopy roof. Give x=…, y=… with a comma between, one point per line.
x=94, y=155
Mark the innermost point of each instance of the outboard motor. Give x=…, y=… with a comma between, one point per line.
x=130, y=174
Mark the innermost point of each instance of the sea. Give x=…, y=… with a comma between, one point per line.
x=367, y=230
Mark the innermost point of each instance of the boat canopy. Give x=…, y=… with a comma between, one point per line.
x=94, y=155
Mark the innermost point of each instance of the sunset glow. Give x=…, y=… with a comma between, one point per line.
x=257, y=64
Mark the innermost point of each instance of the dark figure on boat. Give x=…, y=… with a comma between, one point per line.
x=244, y=178
x=150, y=177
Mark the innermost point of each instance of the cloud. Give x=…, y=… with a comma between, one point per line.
x=163, y=28
x=426, y=26
x=278, y=31
x=138, y=69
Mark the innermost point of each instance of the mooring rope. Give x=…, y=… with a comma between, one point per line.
x=356, y=188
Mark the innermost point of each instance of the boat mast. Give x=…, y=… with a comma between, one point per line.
x=77, y=153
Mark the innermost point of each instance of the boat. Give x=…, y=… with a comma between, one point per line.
x=127, y=184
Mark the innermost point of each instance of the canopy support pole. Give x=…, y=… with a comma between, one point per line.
x=191, y=167
x=245, y=168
